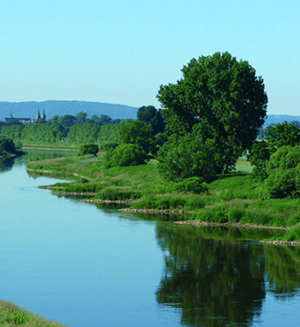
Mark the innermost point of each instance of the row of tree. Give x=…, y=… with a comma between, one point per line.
x=79, y=129
x=52, y=131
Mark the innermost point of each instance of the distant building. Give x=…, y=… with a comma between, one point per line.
x=43, y=115
x=21, y=120
x=27, y=120
x=38, y=115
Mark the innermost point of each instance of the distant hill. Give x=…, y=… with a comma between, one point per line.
x=53, y=107
x=276, y=119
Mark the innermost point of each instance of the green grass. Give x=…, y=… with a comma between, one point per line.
x=230, y=198
x=293, y=234
x=11, y=316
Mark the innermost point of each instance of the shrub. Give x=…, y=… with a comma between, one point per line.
x=191, y=184
x=88, y=148
x=283, y=174
x=125, y=155
x=188, y=156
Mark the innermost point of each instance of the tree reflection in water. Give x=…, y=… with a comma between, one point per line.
x=219, y=282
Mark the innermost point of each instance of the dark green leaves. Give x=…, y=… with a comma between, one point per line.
x=221, y=95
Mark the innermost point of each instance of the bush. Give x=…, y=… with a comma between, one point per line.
x=186, y=157
x=125, y=155
x=88, y=148
x=283, y=174
x=191, y=184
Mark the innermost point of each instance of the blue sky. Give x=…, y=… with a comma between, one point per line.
x=122, y=51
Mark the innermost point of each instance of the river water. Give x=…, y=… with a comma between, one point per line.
x=81, y=265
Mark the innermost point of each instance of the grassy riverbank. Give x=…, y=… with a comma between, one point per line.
x=232, y=198
x=11, y=315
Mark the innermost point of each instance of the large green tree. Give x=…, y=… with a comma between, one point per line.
x=224, y=97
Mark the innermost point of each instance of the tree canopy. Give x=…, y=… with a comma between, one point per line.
x=224, y=98
x=150, y=115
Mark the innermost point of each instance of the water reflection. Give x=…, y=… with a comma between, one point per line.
x=217, y=282
x=283, y=267
x=6, y=164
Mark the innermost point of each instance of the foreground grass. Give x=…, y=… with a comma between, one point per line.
x=11, y=315
x=232, y=198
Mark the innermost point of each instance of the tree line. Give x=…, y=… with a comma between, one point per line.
x=78, y=129
x=67, y=128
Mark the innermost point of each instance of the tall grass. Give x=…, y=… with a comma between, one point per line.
x=293, y=234
x=11, y=316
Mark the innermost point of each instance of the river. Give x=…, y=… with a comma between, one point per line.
x=84, y=265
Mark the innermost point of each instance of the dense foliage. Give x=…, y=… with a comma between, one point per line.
x=67, y=128
x=283, y=173
x=125, y=155
x=187, y=156
x=88, y=148
x=136, y=143
x=6, y=145
x=277, y=161
x=152, y=116
x=224, y=98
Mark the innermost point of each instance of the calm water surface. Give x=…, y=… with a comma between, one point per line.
x=84, y=266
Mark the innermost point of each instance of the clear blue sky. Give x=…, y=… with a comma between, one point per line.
x=122, y=51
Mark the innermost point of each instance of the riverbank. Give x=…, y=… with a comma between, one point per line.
x=11, y=316
x=230, y=198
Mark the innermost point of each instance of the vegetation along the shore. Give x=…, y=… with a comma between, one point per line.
x=11, y=315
